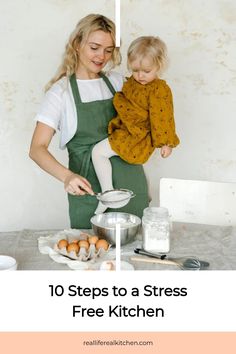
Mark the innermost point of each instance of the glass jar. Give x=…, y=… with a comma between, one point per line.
x=156, y=230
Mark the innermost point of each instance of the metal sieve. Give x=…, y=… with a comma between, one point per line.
x=115, y=198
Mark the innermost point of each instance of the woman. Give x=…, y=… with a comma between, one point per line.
x=79, y=102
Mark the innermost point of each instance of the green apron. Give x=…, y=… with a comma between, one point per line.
x=93, y=118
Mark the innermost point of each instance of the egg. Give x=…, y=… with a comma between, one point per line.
x=73, y=247
x=93, y=239
x=84, y=236
x=62, y=244
x=102, y=244
x=75, y=241
x=107, y=265
x=84, y=244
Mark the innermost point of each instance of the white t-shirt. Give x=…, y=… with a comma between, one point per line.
x=58, y=109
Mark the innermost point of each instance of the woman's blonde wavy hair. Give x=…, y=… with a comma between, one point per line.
x=151, y=47
x=87, y=25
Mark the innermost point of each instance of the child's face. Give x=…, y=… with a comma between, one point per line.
x=144, y=71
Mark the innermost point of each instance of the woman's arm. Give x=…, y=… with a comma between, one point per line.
x=73, y=183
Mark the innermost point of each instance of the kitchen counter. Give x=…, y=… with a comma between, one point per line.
x=215, y=244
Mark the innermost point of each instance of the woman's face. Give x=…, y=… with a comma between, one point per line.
x=94, y=54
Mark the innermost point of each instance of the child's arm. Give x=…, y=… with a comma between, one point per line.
x=162, y=118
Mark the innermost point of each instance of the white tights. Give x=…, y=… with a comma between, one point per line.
x=101, y=154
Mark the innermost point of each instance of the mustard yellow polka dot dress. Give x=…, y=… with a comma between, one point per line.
x=145, y=120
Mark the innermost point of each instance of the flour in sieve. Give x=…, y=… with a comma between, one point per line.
x=115, y=196
x=115, y=199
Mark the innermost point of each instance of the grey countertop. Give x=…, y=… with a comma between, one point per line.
x=215, y=244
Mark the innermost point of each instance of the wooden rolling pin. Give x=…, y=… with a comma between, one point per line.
x=154, y=260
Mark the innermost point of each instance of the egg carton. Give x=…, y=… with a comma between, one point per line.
x=89, y=254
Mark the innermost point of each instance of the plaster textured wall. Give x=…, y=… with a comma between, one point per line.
x=200, y=36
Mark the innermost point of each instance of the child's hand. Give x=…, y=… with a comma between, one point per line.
x=165, y=151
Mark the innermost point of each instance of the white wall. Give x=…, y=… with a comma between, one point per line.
x=201, y=39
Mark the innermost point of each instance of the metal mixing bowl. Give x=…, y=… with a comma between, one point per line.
x=104, y=225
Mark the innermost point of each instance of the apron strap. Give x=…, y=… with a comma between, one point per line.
x=75, y=89
x=108, y=83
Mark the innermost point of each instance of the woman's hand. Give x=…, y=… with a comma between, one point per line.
x=165, y=151
x=74, y=184
x=77, y=185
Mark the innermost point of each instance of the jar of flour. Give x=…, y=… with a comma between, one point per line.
x=156, y=227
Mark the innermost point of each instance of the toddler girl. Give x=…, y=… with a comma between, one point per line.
x=145, y=119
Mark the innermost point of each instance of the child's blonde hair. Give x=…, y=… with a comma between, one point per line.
x=86, y=25
x=151, y=47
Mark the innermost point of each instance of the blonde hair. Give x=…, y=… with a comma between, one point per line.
x=151, y=47
x=87, y=25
